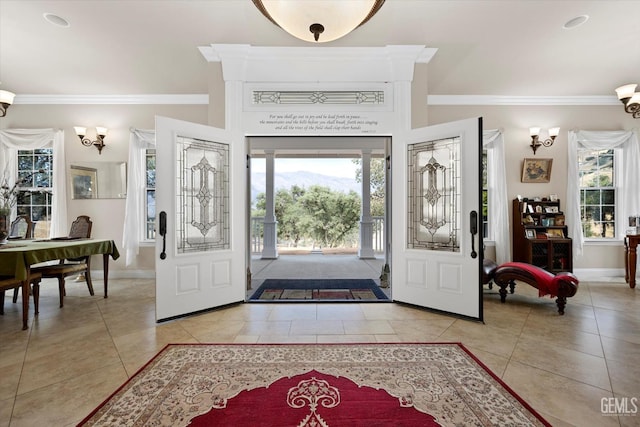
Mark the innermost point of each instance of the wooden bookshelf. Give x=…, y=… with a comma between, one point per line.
x=540, y=236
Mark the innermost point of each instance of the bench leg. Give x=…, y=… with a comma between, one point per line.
x=561, y=302
x=503, y=291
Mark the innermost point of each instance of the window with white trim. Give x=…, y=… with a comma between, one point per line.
x=35, y=168
x=485, y=198
x=597, y=174
x=150, y=194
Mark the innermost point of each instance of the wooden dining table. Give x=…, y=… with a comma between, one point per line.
x=17, y=257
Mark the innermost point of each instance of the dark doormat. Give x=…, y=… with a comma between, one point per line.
x=319, y=289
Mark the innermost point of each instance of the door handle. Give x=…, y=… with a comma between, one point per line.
x=473, y=218
x=163, y=233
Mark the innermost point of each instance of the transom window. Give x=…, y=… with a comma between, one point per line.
x=596, y=169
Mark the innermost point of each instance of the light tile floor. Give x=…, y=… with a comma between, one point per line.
x=71, y=359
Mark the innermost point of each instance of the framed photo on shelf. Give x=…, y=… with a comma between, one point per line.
x=538, y=209
x=551, y=209
x=559, y=220
x=536, y=170
x=553, y=197
x=530, y=233
x=555, y=233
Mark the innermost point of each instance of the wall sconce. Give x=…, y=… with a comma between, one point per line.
x=535, y=141
x=101, y=133
x=630, y=98
x=6, y=99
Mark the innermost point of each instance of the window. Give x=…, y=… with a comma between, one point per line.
x=150, y=194
x=34, y=199
x=596, y=171
x=485, y=197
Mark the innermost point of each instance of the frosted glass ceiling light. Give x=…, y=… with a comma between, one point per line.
x=318, y=20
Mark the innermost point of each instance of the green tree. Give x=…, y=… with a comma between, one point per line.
x=288, y=213
x=330, y=216
x=377, y=184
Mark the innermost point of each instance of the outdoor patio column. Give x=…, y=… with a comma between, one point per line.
x=366, y=223
x=270, y=240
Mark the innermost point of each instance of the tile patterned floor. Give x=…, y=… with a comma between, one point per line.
x=71, y=359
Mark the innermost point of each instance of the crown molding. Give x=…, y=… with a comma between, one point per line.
x=246, y=63
x=203, y=99
x=520, y=100
x=162, y=99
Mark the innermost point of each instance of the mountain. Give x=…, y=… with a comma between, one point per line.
x=287, y=180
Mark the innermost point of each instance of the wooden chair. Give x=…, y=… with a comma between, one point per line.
x=21, y=228
x=7, y=283
x=80, y=228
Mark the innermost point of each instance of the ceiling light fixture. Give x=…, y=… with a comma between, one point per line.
x=56, y=20
x=101, y=133
x=535, y=138
x=6, y=99
x=630, y=98
x=318, y=20
x=575, y=22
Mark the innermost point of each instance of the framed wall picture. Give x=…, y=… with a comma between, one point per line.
x=83, y=182
x=536, y=170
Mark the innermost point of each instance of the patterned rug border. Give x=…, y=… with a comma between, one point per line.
x=306, y=284
x=364, y=344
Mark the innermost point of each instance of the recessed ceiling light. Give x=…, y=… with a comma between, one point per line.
x=55, y=20
x=575, y=22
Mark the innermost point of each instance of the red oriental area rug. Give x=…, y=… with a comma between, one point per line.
x=314, y=385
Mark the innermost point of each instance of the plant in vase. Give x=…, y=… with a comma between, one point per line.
x=8, y=199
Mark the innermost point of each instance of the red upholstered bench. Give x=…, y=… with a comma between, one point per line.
x=562, y=285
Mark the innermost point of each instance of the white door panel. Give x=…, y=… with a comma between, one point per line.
x=435, y=187
x=200, y=193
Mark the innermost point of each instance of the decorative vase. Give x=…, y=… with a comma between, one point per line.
x=4, y=227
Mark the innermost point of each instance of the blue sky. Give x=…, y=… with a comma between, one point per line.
x=331, y=167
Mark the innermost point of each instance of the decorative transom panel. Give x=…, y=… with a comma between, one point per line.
x=202, y=191
x=350, y=97
x=434, y=195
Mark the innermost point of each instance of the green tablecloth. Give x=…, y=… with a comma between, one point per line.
x=18, y=254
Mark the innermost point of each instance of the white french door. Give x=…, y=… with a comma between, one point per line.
x=200, y=218
x=437, y=212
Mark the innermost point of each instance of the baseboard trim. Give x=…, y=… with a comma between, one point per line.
x=591, y=273
x=582, y=273
x=125, y=274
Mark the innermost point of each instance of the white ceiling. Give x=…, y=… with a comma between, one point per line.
x=504, y=48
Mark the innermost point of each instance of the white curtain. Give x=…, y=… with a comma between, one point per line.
x=628, y=194
x=12, y=140
x=134, y=214
x=493, y=142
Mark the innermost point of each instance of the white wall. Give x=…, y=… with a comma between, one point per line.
x=108, y=215
x=515, y=122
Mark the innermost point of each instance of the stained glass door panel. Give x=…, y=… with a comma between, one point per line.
x=434, y=195
x=202, y=196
